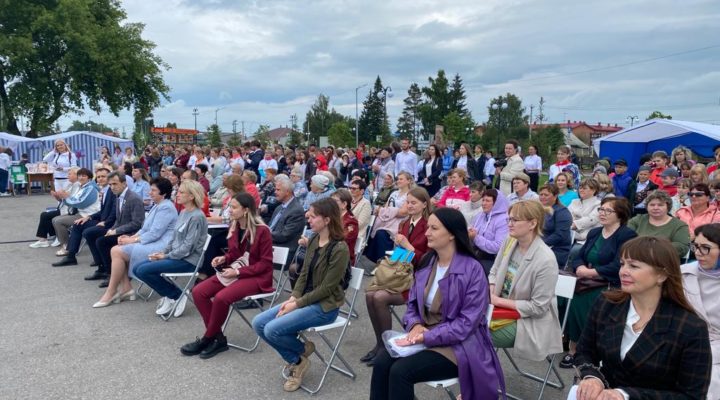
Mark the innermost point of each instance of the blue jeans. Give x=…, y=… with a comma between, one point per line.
x=4, y=175
x=282, y=333
x=149, y=272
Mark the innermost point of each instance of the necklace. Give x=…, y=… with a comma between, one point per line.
x=640, y=327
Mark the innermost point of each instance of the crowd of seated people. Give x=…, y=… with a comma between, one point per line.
x=623, y=235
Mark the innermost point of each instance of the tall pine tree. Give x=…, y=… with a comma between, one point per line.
x=373, y=121
x=457, y=98
x=410, y=118
x=437, y=102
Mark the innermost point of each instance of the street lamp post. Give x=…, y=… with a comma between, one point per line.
x=385, y=97
x=631, y=119
x=500, y=105
x=357, y=126
x=216, y=111
x=195, y=114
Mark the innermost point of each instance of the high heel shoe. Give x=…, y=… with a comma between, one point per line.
x=129, y=295
x=101, y=304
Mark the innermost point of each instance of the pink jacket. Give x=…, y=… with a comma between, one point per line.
x=463, y=194
x=709, y=216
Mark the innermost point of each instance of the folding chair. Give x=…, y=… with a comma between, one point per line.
x=18, y=176
x=280, y=256
x=448, y=383
x=192, y=277
x=565, y=287
x=341, y=323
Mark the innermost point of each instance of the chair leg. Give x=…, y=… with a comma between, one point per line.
x=449, y=393
x=344, y=312
x=191, y=281
x=349, y=372
x=139, y=294
x=543, y=381
x=248, y=323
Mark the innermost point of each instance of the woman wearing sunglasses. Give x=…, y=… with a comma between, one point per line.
x=700, y=211
x=701, y=280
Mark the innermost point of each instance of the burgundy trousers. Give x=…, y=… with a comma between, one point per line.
x=213, y=300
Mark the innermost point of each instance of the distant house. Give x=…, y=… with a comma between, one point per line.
x=280, y=135
x=583, y=131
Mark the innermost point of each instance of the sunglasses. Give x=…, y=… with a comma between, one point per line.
x=696, y=194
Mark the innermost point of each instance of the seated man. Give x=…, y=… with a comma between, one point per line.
x=93, y=226
x=288, y=221
x=129, y=217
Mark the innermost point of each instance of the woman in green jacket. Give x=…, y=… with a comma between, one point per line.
x=316, y=297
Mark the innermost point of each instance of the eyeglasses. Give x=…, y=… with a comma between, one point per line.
x=696, y=194
x=513, y=220
x=601, y=210
x=702, y=249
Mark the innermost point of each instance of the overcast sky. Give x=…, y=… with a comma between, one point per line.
x=262, y=61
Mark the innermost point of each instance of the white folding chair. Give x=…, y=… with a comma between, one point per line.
x=565, y=288
x=280, y=256
x=192, y=277
x=446, y=384
x=341, y=323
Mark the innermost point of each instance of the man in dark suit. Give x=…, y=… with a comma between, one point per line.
x=256, y=155
x=94, y=226
x=288, y=220
x=129, y=217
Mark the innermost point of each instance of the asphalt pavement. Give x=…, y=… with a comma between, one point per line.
x=54, y=345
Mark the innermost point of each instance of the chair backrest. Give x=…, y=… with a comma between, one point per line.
x=201, y=260
x=18, y=174
x=356, y=280
x=490, y=309
x=280, y=255
x=565, y=286
x=572, y=237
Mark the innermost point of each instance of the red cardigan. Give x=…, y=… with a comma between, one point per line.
x=350, y=224
x=260, y=267
x=418, y=239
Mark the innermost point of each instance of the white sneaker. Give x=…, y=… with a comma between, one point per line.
x=6, y=194
x=39, y=244
x=180, y=308
x=162, y=306
x=55, y=243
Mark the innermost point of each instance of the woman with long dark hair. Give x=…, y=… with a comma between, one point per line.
x=316, y=297
x=644, y=340
x=429, y=174
x=446, y=311
x=245, y=270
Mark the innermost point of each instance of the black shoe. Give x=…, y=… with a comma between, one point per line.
x=218, y=345
x=247, y=304
x=96, y=276
x=567, y=361
x=369, y=356
x=67, y=260
x=94, y=264
x=196, y=347
x=372, y=361
x=105, y=283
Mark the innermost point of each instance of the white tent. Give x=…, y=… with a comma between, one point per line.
x=658, y=134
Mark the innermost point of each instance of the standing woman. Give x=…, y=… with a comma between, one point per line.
x=429, y=174
x=597, y=261
x=316, y=297
x=701, y=280
x=117, y=157
x=129, y=156
x=350, y=223
x=155, y=162
x=513, y=165
x=533, y=166
x=181, y=254
x=155, y=234
x=378, y=299
x=644, y=340
x=61, y=159
x=245, y=270
x=556, y=230
x=564, y=164
x=465, y=162
x=447, y=312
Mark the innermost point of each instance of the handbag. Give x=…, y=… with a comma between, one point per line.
x=583, y=285
x=393, y=275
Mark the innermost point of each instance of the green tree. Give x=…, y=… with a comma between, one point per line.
x=141, y=137
x=320, y=118
x=505, y=122
x=437, y=102
x=234, y=140
x=373, y=121
x=64, y=56
x=658, y=114
x=410, y=118
x=547, y=139
x=262, y=135
x=296, y=137
x=89, y=126
x=340, y=134
x=214, y=136
x=171, y=125
x=457, y=128
x=457, y=98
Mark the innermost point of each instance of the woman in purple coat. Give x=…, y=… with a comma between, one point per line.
x=446, y=311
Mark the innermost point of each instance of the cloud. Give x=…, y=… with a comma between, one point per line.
x=265, y=60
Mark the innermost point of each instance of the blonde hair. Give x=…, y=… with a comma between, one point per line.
x=409, y=177
x=604, y=182
x=528, y=210
x=195, y=190
x=250, y=176
x=568, y=178
x=699, y=168
x=459, y=172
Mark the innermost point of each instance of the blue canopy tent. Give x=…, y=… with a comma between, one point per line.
x=658, y=134
x=85, y=145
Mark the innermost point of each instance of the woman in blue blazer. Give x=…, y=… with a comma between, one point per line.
x=155, y=234
x=556, y=231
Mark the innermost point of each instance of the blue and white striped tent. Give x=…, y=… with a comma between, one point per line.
x=85, y=145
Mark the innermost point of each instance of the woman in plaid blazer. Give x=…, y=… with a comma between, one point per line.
x=650, y=341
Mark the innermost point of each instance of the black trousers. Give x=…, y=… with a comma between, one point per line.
x=534, y=180
x=45, y=226
x=395, y=378
x=91, y=235
x=104, y=244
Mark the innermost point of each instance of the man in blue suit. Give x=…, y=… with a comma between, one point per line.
x=93, y=226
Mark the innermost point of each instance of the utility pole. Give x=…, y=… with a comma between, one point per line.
x=216, y=111
x=243, y=129
x=532, y=106
x=235, y=126
x=195, y=114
